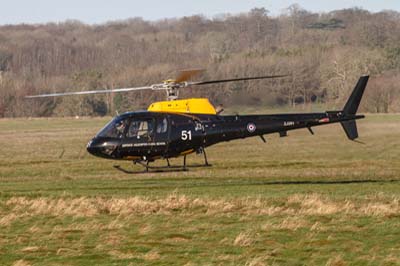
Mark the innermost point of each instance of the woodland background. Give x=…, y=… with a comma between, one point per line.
x=325, y=54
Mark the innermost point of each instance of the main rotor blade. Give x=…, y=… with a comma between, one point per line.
x=184, y=75
x=236, y=79
x=88, y=92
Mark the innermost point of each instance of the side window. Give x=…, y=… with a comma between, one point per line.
x=140, y=129
x=162, y=126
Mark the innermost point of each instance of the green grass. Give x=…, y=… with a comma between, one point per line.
x=311, y=200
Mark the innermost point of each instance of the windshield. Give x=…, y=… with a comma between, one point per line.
x=131, y=128
x=114, y=129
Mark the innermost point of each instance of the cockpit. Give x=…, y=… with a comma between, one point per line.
x=124, y=134
x=133, y=127
x=114, y=129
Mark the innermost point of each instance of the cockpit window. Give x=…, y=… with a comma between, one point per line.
x=114, y=129
x=140, y=129
x=131, y=128
x=162, y=126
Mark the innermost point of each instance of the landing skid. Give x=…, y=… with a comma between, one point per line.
x=153, y=170
x=162, y=169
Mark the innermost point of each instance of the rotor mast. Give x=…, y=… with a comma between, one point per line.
x=172, y=89
x=172, y=93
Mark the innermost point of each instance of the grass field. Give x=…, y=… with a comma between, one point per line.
x=300, y=200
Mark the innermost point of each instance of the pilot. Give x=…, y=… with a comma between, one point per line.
x=120, y=126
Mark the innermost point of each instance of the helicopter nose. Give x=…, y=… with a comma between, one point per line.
x=101, y=148
x=89, y=147
x=93, y=147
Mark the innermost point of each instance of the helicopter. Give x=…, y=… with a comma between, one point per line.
x=179, y=127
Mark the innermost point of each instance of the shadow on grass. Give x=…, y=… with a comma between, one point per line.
x=154, y=185
x=326, y=182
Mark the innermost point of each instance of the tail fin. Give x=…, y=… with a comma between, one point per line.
x=351, y=107
x=354, y=100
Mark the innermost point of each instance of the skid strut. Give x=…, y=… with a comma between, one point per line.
x=205, y=158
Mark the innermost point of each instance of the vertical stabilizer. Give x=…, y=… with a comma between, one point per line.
x=351, y=107
x=354, y=100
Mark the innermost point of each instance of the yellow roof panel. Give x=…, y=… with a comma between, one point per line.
x=187, y=106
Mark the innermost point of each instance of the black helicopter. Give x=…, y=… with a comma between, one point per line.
x=180, y=127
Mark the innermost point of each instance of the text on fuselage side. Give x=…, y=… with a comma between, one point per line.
x=288, y=123
x=145, y=144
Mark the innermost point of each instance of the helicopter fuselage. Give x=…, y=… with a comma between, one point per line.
x=148, y=136
x=176, y=127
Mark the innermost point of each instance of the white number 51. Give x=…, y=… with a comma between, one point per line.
x=186, y=135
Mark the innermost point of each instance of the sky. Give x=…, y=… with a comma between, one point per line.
x=100, y=11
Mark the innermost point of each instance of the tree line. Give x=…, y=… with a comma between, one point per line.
x=323, y=54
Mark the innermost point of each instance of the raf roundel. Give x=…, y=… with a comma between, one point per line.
x=251, y=127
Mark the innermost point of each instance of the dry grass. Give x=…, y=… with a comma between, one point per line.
x=258, y=261
x=381, y=209
x=244, y=239
x=293, y=223
x=67, y=252
x=306, y=205
x=336, y=261
x=145, y=229
x=120, y=255
x=316, y=227
x=8, y=219
x=392, y=259
x=84, y=227
x=30, y=249
x=21, y=263
x=152, y=255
